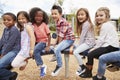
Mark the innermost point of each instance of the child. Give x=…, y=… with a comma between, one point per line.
x=111, y=57
x=65, y=36
x=9, y=44
x=107, y=41
x=87, y=40
x=39, y=20
x=27, y=40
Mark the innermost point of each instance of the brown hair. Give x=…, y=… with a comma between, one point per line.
x=107, y=13
x=78, y=24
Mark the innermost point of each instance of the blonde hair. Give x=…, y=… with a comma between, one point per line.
x=78, y=24
x=107, y=13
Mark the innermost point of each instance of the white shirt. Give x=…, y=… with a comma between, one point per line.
x=108, y=36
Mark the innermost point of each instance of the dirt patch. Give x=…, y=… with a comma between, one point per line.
x=32, y=72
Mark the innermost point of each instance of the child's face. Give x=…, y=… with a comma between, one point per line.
x=22, y=19
x=100, y=17
x=38, y=17
x=8, y=21
x=81, y=16
x=55, y=15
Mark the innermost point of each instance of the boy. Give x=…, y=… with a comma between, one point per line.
x=65, y=36
x=9, y=46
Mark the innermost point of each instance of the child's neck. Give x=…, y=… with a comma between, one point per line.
x=38, y=24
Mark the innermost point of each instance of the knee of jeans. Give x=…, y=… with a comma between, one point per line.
x=57, y=50
x=102, y=58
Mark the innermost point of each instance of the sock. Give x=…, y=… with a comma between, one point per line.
x=99, y=77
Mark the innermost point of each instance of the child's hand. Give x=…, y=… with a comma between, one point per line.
x=47, y=49
x=91, y=50
x=31, y=53
x=1, y=56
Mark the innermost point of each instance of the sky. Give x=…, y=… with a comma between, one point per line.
x=68, y=6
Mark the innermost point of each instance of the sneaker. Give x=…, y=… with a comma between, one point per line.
x=86, y=74
x=96, y=78
x=14, y=76
x=43, y=71
x=80, y=71
x=56, y=71
x=113, y=68
x=53, y=58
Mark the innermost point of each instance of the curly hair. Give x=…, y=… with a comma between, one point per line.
x=33, y=12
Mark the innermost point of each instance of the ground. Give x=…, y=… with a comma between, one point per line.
x=31, y=71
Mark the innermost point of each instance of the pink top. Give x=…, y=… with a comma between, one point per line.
x=41, y=32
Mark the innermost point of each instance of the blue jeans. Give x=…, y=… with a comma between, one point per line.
x=38, y=52
x=107, y=58
x=60, y=47
x=7, y=59
x=5, y=74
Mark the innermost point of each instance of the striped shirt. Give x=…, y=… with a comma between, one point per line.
x=65, y=30
x=87, y=34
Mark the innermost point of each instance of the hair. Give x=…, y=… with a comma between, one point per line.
x=10, y=14
x=58, y=8
x=78, y=24
x=33, y=12
x=107, y=13
x=26, y=15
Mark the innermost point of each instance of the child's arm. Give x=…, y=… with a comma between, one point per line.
x=48, y=45
x=13, y=36
x=1, y=41
x=32, y=39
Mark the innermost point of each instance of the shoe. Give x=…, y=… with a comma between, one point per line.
x=53, y=58
x=43, y=71
x=56, y=71
x=23, y=67
x=86, y=74
x=80, y=71
x=96, y=78
x=14, y=76
x=83, y=57
x=113, y=68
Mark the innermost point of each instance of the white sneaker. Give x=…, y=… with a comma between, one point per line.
x=56, y=71
x=80, y=71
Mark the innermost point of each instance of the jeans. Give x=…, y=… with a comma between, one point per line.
x=7, y=59
x=4, y=62
x=80, y=49
x=107, y=58
x=60, y=47
x=5, y=74
x=38, y=52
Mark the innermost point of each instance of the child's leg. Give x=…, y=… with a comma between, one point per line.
x=18, y=61
x=61, y=46
x=37, y=53
x=78, y=50
x=7, y=59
